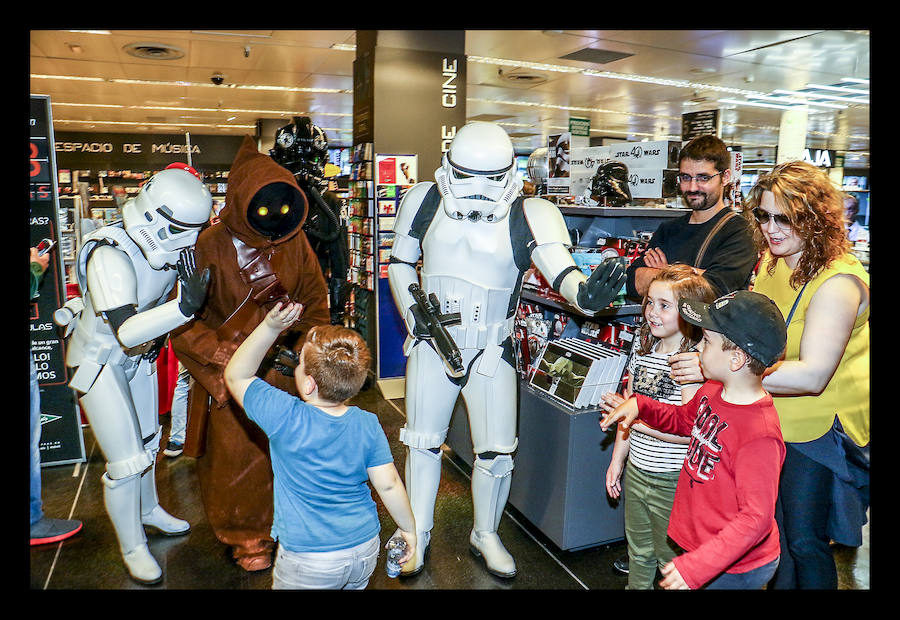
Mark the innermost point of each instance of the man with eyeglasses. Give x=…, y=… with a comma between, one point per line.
x=730, y=255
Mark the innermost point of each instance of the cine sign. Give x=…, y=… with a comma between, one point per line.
x=822, y=158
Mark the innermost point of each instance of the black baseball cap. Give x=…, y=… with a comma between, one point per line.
x=750, y=320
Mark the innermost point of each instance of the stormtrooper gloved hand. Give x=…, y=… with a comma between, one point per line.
x=192, y=286
x=604, y=284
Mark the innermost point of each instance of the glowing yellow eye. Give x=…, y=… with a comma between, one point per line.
x=264, y=211
x=285, y=209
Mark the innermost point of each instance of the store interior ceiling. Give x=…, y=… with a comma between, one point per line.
x=633, y=84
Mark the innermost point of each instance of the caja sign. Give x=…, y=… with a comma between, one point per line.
x=822, y=158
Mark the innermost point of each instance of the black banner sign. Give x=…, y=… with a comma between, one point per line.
x=114, y=151
x=61, y=437
x=701, y=123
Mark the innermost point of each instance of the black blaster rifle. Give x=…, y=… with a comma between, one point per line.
x=431, y=325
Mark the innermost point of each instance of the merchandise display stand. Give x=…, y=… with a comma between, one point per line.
x=558, y=483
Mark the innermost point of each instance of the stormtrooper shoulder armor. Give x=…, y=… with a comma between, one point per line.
x=408, y=231
x=546, y=222
x=111, y=279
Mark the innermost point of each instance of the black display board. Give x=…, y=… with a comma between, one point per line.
x=61, y=437
x=700, y=123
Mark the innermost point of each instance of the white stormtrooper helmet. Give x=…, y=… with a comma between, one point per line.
x=477, y=178
x=167, y=214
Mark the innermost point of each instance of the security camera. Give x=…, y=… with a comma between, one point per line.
x=217, y=78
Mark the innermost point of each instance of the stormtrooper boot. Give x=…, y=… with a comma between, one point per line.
x=490, y=489
x=152, y=514
x=423, y=474
x=122, y=498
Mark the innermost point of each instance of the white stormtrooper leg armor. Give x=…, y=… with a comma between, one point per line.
x=490, y=395
x=122, y=413
x=114, y=421
x=146, y=398
x=430, y=397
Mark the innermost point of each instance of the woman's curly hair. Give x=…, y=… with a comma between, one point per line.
x=814, y=205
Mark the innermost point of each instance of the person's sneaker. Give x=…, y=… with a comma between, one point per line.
x=48, y=531
x=173, y=449
x=621, y=564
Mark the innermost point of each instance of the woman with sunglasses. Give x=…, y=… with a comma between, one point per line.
x=821, y=387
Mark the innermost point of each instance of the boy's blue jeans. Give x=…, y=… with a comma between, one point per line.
x=345, y=569
x=751, y=580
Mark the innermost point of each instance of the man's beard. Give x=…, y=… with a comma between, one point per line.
x=708, y=200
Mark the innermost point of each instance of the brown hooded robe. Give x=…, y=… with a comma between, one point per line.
x=233, y=466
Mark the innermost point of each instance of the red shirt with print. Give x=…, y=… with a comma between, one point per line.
x=723, y=515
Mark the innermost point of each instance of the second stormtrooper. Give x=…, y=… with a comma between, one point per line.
x=115, y=330
x=476, y=238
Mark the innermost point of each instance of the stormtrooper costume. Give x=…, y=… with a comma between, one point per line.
x=126, y=272
x=476, y=238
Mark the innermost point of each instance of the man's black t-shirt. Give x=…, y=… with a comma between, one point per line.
x=729, y=258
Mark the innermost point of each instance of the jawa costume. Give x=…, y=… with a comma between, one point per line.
x=259, y=256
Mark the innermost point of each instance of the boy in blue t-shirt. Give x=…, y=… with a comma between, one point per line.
x=323, y=454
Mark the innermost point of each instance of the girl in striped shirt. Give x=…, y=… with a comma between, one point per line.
x=654, y=458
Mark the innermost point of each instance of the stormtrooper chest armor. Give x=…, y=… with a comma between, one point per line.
x=469, y=266
x=152, y=286
x=93, y=338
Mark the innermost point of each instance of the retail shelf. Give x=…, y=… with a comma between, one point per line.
x=628, y=309
x=624, y=211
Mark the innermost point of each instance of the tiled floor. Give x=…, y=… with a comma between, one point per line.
x=91, y=560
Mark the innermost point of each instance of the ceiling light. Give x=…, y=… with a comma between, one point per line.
x=132, y=124
x=855, y=80
x=344, y=47
x=67, y=77
x=611, y=75
x=839, y=89
x=758, y=104
x=232, y=34
x=800, y=93
x=91, y=31
x=296, y=89
x=789, y=100
x=190, y=109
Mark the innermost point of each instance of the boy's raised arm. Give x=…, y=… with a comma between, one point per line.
x=241, y=368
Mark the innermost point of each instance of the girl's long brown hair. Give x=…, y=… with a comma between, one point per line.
x=685, y=284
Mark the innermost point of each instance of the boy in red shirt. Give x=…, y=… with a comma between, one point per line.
x=724, y=510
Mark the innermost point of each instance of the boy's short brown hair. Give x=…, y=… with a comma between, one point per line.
x=338, y=359
x=753, y=365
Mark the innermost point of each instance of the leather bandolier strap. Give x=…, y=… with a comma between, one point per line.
x=256, y=271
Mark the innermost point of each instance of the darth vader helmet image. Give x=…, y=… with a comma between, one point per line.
x=610, y=182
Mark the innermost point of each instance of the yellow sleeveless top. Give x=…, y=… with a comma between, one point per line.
x=804, y=418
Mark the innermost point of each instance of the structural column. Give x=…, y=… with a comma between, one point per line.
x=409, y=98
x=792, y=135
x=409, y=92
